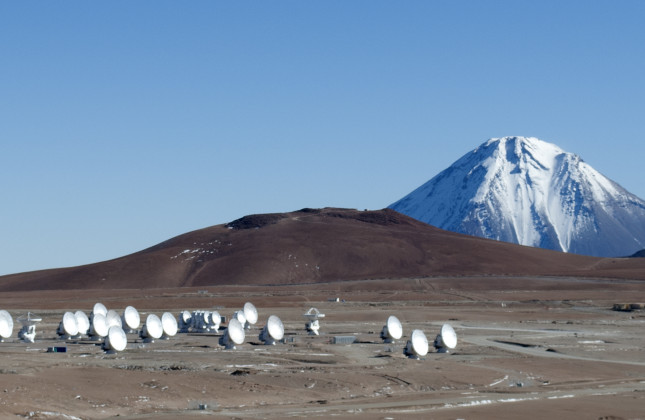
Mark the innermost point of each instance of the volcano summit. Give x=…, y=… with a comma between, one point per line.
x=527, y=191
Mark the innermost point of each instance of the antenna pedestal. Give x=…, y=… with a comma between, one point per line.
x=385, y=336
x=146, y=338
x=28, y=331
x=408, y=351
x=313, y=327
x=439, y=345
x=313, y=315
x=226, y=342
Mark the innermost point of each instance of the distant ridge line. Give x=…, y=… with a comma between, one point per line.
x=319, y=246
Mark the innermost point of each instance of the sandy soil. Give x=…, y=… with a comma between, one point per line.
x=528, y=348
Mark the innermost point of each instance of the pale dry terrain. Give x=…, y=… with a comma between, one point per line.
x=528, y=348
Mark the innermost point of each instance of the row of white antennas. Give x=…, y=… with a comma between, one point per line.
x=417, y=346
x=109, y=326
x=235, y=333
x=209, y=321
x=102, y=324
x=241, y=321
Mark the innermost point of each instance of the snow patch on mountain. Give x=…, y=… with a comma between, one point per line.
x=527, y=191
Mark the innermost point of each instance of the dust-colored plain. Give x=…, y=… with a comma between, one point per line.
x=527, y=347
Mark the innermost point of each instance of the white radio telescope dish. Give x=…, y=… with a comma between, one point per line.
x=313, y=313
x=417, y=345
x=186, y=320
x=68, y=327
x=273, y=331
x=6, y=325
x=392, y=330
x=169, y=324
x=446, y=340
x=130, y=320
x=206, y=320
x=239, y=315
x=234, y=335
x=185, y=317
x=82, y=322
x=113, y=318
x=116, y=340
x=152, y=329
x=251, y=315
x=99, y=308
x=99, y=327
x=216, y=320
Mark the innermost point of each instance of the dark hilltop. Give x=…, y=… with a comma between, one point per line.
x=318, y=246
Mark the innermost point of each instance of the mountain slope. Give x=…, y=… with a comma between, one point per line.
x=315, y=246
x=530, y=192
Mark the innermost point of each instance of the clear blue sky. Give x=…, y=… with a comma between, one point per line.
x=123, y=124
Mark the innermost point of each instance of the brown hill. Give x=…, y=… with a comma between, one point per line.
x=318, y=245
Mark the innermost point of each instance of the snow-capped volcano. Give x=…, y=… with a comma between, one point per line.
x=530, y=192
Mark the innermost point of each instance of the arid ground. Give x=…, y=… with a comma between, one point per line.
x=539, y=347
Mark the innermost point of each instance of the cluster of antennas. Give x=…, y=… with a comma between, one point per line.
x=199, y=321
x=247, y=316
x=235, y=332
x=111, y=328
x=417, y=346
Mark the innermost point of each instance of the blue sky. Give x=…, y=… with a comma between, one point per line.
x=123, y=124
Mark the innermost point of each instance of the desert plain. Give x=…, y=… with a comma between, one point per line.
x=528, y=347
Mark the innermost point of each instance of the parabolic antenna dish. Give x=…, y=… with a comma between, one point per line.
x=153, y=327
x=185, y=317
x=448, y=336
x=99, y=308
x=69, y=324
x=82, y=321
x=235, y=331
x=116, y=339
x=99, y=326
x=275, y=327
x=131, y=319
x=216, y=318
x=6, y=324
x=313, y=314
x=169, y=324
x=113, y=318
x=250, y=313
x=418, y=343
x=239, y=316
x=394, y=327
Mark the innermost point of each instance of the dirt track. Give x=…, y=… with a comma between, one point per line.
x=539, y=348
